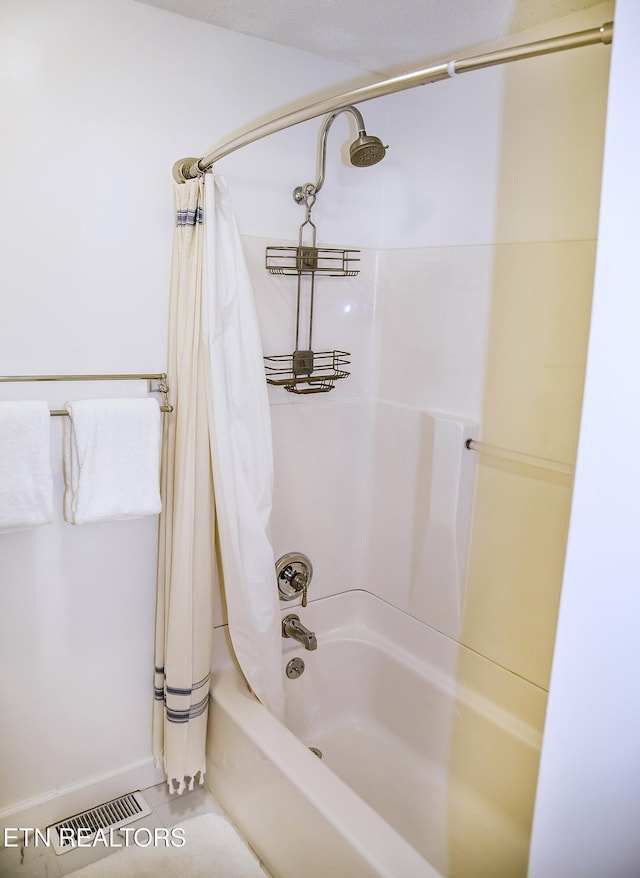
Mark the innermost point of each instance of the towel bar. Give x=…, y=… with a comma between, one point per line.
x=159, y=377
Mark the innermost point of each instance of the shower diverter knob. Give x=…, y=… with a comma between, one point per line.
x=293, y=573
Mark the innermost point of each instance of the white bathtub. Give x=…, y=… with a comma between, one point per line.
x=421, y=775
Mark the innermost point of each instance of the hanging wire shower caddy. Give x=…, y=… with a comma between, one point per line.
x=306, y=370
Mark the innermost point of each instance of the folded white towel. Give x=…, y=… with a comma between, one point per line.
x=112, y=459
x=26, y=486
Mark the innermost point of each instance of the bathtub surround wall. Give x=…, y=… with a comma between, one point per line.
x=419, y=499
x=480, y=317
x=473, y=310
x=546, y=226
x=491, y=303
x=504, y=295
x=92, y=91
x=321, y=441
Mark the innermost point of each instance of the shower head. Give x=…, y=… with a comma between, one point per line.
x=366, y=150
x=363, y=152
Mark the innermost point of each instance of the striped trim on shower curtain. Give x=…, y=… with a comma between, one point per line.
x=189, y=216
x=179, y=702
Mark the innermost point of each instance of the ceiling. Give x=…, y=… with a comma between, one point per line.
x=378, y=35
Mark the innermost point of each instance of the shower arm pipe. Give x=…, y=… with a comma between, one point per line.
x=189, y=168
x=357, y=115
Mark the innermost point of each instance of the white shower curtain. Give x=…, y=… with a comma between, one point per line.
x=216, y=476
x=241, y=452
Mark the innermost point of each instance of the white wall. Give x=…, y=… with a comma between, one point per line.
x=588, y=801
x=99, y=98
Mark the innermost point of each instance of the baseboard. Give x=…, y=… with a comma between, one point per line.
x=60, y=803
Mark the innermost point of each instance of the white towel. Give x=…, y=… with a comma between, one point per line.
x=26, y=486
x=112, y=459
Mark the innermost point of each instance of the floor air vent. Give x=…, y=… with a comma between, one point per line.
x=84, y=827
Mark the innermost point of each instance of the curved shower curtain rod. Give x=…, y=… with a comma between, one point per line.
x=188, y=168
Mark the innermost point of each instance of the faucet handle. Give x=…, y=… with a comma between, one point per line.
x=297, y=580
x=294, y=572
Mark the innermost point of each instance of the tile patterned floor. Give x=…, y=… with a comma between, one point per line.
x=168, y=811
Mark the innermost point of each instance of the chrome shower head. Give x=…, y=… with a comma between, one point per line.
x=363, y=152
x=366, y=150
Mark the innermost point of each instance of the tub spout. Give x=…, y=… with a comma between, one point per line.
x=293, y=627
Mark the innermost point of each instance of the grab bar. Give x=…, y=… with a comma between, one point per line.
x=539, y=462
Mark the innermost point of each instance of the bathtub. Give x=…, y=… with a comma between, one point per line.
x=429, y=753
